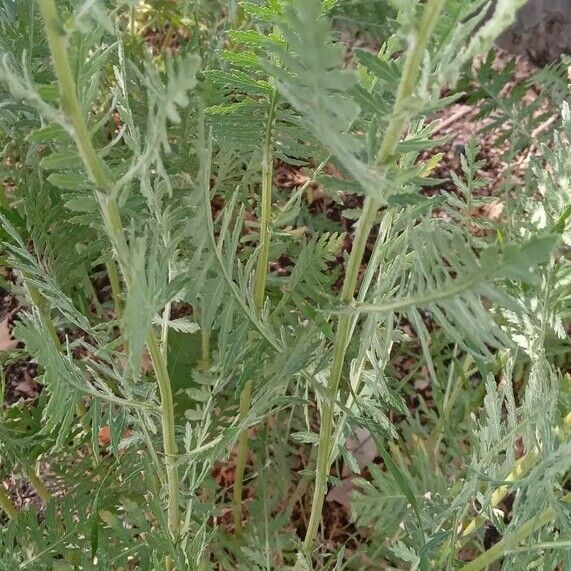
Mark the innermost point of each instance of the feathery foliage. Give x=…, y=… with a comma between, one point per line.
x=204, y=340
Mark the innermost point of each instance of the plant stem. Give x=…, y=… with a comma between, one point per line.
x=503, y=546
x=205, y=349
x=114, y=227
x=397, y=124
x=166, y=317
x=6, y=504
x=70, y=104
x=259, y=297
x=364, y=226
x=113, y=274
x=169, y=439
x=267, y=176
x=245, y=397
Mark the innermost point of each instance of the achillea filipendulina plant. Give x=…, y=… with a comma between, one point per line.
x=228, y=339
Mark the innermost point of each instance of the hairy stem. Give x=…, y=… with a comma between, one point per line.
x=70, y=104
x=113, y=274
x=6, y=504
x=511, y=540
x=364, y=226
x=259, y=297
x=397, y=124
x=169, y=439
x=205, y=349
x=166, y=317
x=114, y=228
x=267, y=175
x=245, y=397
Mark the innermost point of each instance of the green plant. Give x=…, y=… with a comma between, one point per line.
x=206, y=343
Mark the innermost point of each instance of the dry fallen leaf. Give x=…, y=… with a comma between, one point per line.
x=7, y=342
x=421, y=384
x=315, y=193
x=28, y=386
x=363, y=448
x=493, y=210
x=342, y=493
x=146, y=363
x=287, y=176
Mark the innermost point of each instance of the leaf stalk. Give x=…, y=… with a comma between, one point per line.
x=259, y=297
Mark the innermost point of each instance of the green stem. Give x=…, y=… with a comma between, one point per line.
x=6, y=504
x=205, y=349
x=56, y=36
x=523, y=532
x=397, y=124
x=114, y=227
x=169, y=439
x=411, y=71
x=259, y=297
x=364, y=226
x=267, y=176
x=245, y=397
x=113, y=274
x=165, y=330
x=166, y=317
